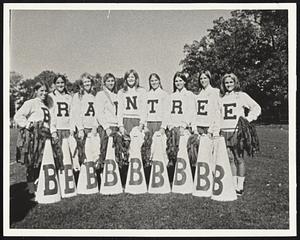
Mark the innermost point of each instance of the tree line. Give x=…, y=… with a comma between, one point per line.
x=253, y=44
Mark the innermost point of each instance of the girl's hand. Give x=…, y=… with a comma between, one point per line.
x=29, y=125
x=81, y=134
x=181, y=131
x=94, y=131
x=72, y=133
x=146, y=129
x=141, y=127
x=122, y=130
x=108, y=131
x=162, y=131
x=54, y=136
x=170, y=127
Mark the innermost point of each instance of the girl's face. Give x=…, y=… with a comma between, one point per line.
x=131, y=80
x=110, y=83
x=87, y=84
x=229, y=84
x=154, y=82
x=42, y=93
x=179, y=83
x=60, y=85
x=204, y=80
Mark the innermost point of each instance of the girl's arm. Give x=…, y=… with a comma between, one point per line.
x=194, y=119
x=22, y=115
x=75, y=114
x=192, y=110
x=215, y=119
x=99, y=109
x=52, y=109
x=143, y=106
x=165, y=107
x=254, y=108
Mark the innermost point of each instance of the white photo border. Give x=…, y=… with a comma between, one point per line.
x=292, y=86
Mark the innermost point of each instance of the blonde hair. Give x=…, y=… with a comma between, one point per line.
x=137, y=79
x=237, y=87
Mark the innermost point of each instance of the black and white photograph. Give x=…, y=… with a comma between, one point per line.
x=149, y=119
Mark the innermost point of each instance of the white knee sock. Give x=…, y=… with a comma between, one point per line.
x=240, y=182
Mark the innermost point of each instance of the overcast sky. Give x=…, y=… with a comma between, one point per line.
x=73, y=42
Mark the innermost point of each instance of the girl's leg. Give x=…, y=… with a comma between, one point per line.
x=233, y=166
x=241, y=170
x=240, y=167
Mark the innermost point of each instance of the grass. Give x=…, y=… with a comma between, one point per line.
x=265, y=204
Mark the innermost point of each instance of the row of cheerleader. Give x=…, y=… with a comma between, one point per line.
x=213, y=112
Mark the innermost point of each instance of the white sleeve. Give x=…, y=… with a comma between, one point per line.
x=120, y=112
x=22, y=115
x=191, y=114
x=215, y=121
x=143, y=106
x=194, y=118
x=52, y=109
x=167, y=113
x=254, y=108
x=165, y=107
x=75, y=114
x=100, y=102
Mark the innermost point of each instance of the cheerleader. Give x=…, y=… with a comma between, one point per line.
x=233, y=103
x=207, y=117
x=60, y=102
x=156, y=100
x=33, y=118
x=181, y=111
x=181, y=105
x=131, y=103
x=60, y=109
x=83, y=118
x=106, y=112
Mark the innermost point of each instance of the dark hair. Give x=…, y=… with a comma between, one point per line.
x=207, y=74
x=182, y=76
x=137, y=79
x=223, y=89
x=37, y=86
x=107, y=76
x=93, y=89
x=155, y=75
x=64, y=78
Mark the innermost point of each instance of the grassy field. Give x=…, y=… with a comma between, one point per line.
x=265, y=204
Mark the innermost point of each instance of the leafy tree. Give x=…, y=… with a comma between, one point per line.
x=252, y=44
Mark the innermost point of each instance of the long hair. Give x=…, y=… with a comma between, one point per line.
x=36, y=87
x=156, y=76
x=207, y=74
x=137, y=79
x=223, y=89
x=93, y=90
x=182, y=76
x=107, y=76
x=64, y=78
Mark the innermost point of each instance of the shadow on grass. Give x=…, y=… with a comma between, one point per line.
x=20, y=202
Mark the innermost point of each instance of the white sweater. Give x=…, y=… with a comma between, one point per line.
x=83, y=111
x=60, y=111
x=33, y=110
x=181, y=109
x=157, y=105
x=132, y=104
x=233, y=106
x=207, y=110
x=106, y=108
